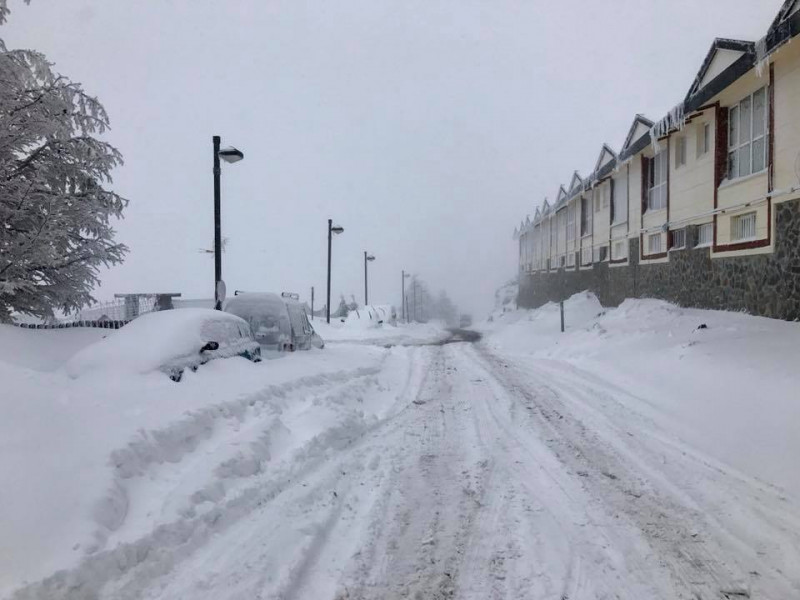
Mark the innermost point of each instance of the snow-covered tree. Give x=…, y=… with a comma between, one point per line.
x=55, y=212
x=4, y=10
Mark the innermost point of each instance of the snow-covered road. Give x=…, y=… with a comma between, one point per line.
x=480, y=478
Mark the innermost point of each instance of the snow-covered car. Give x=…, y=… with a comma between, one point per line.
x=278, y=322
x=169, y=341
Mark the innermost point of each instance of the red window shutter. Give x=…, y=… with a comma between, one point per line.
x=721, y=145
x=645, y=178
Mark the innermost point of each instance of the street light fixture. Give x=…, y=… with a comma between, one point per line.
x=230, y=155
x=337, y=229
x=403, y=302
x=368, y=258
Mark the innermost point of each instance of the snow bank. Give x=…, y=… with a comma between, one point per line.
x=79, y=458
x=44, y=349
x=727, y=382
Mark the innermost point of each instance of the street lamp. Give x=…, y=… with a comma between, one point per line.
x=368, y=258
x=331, y=230
x=229, y=155
x=403, y=303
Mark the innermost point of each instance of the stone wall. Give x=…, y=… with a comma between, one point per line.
x=763, y=284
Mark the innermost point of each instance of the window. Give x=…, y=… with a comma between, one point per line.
x=705, y=234
x=743, y=227
x=656, y=174
x=747, y=134
x=571, y=259
x=562, y=260
x=678, y=239
x=619, y=205
x=619, y=251
x=703, y=139
x=597, y=199
x=571, y=222
x=654, y=243
x=604, y=194
x=603, y=253
x=562, y=225
x=586, y=255
x=586, y=215
x=680, y=151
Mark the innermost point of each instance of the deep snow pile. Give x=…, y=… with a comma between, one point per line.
x=87, y=463
x=726, y=382
x=44, y=349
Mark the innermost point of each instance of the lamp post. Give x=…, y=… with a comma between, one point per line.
x=368, y=258
x=331, y=230
x=229, y=155
x=403, y=299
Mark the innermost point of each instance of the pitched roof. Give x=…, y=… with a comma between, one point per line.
x=576, y=180
x=722, y=54
x=639, y=121
x=788, y=8
x=606, y=155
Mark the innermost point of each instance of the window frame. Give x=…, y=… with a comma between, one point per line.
x=680, y=151
x=680, y=234
x=739, y=144
x=737, y=227
x=586, y=216
x=586, y=251
x=650, y=238
x=703, y=139
x=700, y=228
x=619, y=201
x=570, y=222
x=619, y=244
x=659, y=162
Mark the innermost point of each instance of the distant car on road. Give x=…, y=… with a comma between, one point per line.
x=169, y=341
x=465, y=321
x=278, y=322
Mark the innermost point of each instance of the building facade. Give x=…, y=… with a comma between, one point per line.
x=701, y=208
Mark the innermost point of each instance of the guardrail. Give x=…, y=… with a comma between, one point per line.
x=105, y=324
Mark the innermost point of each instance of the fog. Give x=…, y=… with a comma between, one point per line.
x=427, y=129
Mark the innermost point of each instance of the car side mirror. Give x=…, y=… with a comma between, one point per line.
x=210, y=346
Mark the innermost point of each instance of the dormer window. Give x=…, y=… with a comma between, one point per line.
x=747, y=135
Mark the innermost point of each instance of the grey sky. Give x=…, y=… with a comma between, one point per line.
x=426, y=128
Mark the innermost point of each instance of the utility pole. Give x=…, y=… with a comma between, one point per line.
x=403, y=297
x=415, y=299
x=312, y=302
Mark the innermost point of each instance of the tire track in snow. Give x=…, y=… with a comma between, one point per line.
x=660, y=498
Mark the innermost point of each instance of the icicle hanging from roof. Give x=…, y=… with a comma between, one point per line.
x=762, y=58
x=675, y=120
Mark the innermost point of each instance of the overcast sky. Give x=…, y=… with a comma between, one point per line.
x=427, y=128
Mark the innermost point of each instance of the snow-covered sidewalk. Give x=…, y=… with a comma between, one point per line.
x=728, y=383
